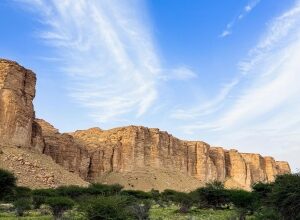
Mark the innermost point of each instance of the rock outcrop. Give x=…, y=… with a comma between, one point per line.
x=17, y=90
x=95, y=153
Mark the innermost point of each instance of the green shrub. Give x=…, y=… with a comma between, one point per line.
x=213, y=195
x=21, y=205
x=141, y=210
x=111, y=207
x=182, y=199
x=244, y=201
x=262, y=192
x=22, y=192
x=74, y=214
x=104, y=190
x=285, y=196
x=137, y=194
x=266, y=214
x=7, y=184
x=156, y=196
x=39, y=196
x=59, y=205
x=71, y=191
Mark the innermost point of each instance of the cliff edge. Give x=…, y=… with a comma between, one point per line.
x=136, y=156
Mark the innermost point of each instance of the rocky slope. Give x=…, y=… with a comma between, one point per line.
x=120, y=154
x=36, y=170
x=21, y=143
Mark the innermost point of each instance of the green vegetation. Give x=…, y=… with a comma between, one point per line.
x=214, y=196
x=171, y=213
x=277, y=201
x=111, y=207
x=21, y=205
x=59, y=205
x=7, y=184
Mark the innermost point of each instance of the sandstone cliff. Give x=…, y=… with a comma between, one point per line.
x=17, y=90
x=120, y=154
x=134, y=148
x=21, y=141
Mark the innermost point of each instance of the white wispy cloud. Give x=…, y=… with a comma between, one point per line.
x=249, y=7
x=263, y=112
x=246, y=10
x=206, y=108
x=107, y=51
x=179, y=73
x=225, y=33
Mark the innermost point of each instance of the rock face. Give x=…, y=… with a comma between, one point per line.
x=64, y=149
x=17, y=90
x=95, y=153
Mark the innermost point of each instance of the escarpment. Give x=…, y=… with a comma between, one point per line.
x=17, y=91
x=132, y=152
x=126, y=149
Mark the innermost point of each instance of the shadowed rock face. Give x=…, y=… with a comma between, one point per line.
x=94, y=153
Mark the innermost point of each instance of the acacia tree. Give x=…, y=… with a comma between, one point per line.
x=21, y=205
x=59, y=205
x=213, y=195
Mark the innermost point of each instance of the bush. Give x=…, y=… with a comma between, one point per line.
x=39, y=196
x=182, y=199
x=285, y=196
x=21, y=205
x=244, y=201
x=112, y=207
x=266, y=214
x=262, y=192
x=104, y=190
x=141, y=211
x=59, y=205
x=214, y=195
x=22, y=192
x=137, y=194
x=155, y=195
x=71, y=191
x=7, y=184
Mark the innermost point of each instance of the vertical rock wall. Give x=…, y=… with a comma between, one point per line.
x=94, y=152
x=17, y=90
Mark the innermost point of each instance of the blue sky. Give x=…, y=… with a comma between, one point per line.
x=226, y=72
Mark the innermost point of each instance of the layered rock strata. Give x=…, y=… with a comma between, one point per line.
x=94, y=153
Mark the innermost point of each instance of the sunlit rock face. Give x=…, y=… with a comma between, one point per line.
x=94, y=153
x=131, y=148
x=17, y=90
